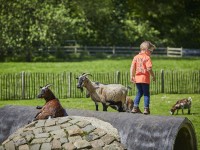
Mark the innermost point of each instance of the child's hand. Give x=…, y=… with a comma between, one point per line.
x=132, y=80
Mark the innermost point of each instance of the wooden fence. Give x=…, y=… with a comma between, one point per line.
x=174, y=52
x=121, y=51
x=26, y=85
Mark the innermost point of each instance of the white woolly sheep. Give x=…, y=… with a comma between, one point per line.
x=113, y=95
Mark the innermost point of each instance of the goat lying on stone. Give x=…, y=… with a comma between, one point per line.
x=113, y=95
x=182, y=104
x=52, y=107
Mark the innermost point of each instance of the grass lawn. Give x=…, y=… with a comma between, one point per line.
x=160, y=105
x=104, y=65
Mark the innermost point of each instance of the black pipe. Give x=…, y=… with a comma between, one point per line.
x=137, y=131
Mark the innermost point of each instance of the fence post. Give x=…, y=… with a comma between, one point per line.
x=23, y=84
x=162, y=81
x=113, y=50
x=117, y=76
x=69, y=87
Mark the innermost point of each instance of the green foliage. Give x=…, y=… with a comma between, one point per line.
x=28, y=26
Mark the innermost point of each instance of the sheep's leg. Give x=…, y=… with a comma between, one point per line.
x=39, y=107
x=104, y=107
x=97, y=107
x=177, y=111
x=182, y=111
x=120, y=109
x=188, y=110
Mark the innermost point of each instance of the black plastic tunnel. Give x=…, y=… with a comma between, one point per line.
x=137, y=131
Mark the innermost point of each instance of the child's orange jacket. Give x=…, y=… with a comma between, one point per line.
x=141, y=62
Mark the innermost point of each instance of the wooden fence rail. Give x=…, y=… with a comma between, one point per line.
x=120, y=51
x=26, y=85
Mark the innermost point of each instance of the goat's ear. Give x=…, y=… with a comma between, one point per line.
x=77, y=77
x=41, y=87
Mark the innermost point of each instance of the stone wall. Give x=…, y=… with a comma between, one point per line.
x=68, y=133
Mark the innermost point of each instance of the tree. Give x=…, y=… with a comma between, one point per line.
x=30, y=25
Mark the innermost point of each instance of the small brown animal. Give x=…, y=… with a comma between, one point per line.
x=182, y=104
x=129, y=104
x=52, y=107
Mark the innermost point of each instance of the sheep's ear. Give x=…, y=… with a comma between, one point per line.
x=41, y=87
x=77, y=77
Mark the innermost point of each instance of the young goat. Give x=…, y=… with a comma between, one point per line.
x=182, y=104
x=129, y=104
x=113, y=95
x=52, y=107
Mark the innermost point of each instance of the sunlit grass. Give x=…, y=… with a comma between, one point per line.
x=104, y=65
x=160, y=106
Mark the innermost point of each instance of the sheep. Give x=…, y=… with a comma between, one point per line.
x=182, y=104
x=128, y=105
x=52, y=107
x=113, y=95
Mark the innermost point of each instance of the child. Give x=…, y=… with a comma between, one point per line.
x=140, y=71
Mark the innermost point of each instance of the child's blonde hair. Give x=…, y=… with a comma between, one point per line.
x=147, y=45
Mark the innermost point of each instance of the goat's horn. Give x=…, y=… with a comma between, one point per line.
x=48, y=85
x=87, y=74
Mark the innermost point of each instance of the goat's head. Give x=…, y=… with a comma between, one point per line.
x=175, y=107
x=172, y=111
x=190, y=99
x=82, y=79
x=46, y=93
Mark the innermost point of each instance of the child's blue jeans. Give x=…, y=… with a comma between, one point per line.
x=142, y=89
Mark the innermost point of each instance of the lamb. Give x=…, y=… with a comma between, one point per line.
x=182, y=104
x=52, y=107
x=113, y=95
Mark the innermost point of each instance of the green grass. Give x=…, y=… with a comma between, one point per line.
x=160, y=105
x=104, y=65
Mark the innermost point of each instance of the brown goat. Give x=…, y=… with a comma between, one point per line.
x=129, y=104
x=182, y=104
x=52, y=107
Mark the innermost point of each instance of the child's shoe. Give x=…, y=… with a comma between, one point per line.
x=136, y=110
x=146, y=111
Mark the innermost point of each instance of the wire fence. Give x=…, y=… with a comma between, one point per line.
x=26, y=85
